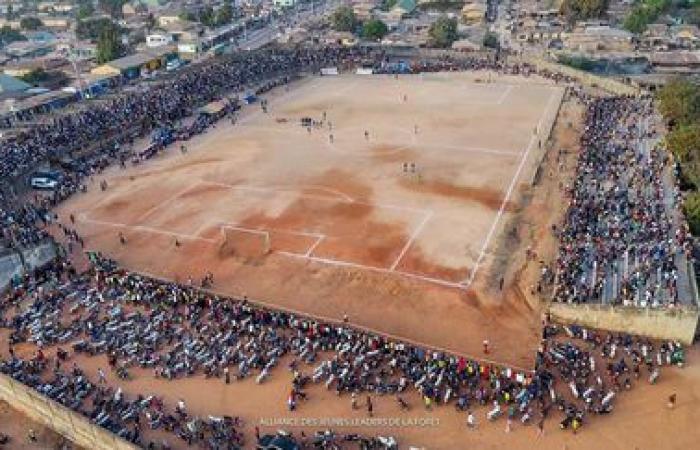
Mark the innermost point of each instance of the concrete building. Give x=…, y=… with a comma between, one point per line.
x=28, y=49
x=599, y=38
x=135, y=65
x=158, y=40
x=283, y=3
x=168, y=19
x=22, y=67
x=473, y=12
x=55, y=22
x=678, y=62
x=363, y=8
x=404, y=7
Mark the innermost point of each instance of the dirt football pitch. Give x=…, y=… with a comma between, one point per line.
x=388, y=208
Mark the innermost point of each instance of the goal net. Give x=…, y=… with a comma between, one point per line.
x=243, y=243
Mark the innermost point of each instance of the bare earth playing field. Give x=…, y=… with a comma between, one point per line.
x=326, y=221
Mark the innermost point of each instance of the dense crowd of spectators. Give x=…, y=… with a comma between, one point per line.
x=622, y=238
x=20, y=226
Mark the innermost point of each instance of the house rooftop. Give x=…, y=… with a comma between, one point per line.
x=9, y=84
x=140, y=58
x=678, y=58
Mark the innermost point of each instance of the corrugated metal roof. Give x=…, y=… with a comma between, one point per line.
x=679, y=58
x=140, y=58
x=10, y=84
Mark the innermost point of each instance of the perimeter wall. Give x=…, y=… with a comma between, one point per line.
x=678, y=324
x=586, y=78
x=62, y=420
x=17, y=262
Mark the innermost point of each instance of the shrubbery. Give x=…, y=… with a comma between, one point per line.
x=679, y=102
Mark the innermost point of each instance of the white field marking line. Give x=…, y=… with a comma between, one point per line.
x=338, y=322
x=413, y=144
x=505, y=95
x=411, y=239
x=340, y=263
x=345, y=196
x=306, y=256
x=83, y=218
x=315, y=244
x=234, y=226
x=247, y=230
x=200, y=229
x=509, y=192
x=291, y=191
x=166, y=202
x=471, y=149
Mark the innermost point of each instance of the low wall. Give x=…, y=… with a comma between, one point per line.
x=678, y=324
x=585, y=78
x=10, y=266
x=530, y=177
x=62, y=420
x=13, y=263
x=39, y=255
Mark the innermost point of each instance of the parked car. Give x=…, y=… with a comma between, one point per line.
x=45, y=179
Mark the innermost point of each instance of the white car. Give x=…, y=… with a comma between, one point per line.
x=43, y=183
x=173, y=65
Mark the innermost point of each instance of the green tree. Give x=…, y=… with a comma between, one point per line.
x=644, y=13
x=10, y=12
x=109, y=45
x=691, y=208
x=679, y=102
x=207, y=16
x=344, y=19
x=684, y=142
x=85, y=10
x=374, y=30
x=187, y=16
x=637, y=20
x=443, y=32
x=8, y=35
x=575, y=10
x=491, y=40
x=91, y=29
x=224, y=15
x=388, y=4
x=30, y=23
x=35, y=76
x=50, y=79
x=693, y=15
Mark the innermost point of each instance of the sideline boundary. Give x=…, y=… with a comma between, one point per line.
x=511, y=187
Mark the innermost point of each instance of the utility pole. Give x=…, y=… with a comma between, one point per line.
x=78, y=75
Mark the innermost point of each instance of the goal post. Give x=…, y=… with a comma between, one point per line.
x=244, y=242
